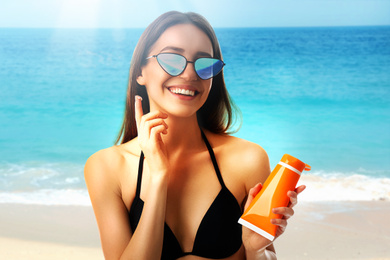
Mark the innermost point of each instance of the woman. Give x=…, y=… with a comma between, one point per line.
x=177, y=184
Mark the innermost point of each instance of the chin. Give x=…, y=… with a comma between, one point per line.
x=176, y=109
x=182, y=114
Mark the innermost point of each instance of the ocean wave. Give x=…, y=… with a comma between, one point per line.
x=322, y=186
x=63, y=184
x=29, y=176
x=62, y=197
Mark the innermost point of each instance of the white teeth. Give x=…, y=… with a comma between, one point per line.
x=186, y=92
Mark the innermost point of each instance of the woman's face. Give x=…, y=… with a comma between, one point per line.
x=184, y=94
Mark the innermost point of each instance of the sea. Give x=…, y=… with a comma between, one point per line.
x=321, y=94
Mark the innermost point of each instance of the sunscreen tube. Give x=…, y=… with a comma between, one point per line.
x=282, y=179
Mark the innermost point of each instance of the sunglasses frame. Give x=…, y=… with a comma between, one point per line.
x=187, y=61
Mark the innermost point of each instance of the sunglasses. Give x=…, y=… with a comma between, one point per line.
x=174, y=64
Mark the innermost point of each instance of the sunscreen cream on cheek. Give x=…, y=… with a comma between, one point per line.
x=282, y=179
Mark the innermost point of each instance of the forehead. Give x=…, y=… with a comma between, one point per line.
x=186, y=37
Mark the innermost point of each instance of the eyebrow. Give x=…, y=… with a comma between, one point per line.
x=181, y=51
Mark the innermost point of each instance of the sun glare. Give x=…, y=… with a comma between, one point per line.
x=76, y=13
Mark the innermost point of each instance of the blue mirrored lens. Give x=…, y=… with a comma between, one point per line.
x=173, y=64
x=208, y=67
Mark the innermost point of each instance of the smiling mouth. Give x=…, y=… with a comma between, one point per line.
x=183, y=92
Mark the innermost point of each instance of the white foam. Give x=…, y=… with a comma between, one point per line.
x=77, y=197
x=37, y=175
x=63, y=184
x=341, y=187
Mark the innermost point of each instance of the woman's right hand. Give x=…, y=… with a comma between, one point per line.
x=150, y=128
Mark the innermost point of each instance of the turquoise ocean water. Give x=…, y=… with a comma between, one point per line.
x=319, y=94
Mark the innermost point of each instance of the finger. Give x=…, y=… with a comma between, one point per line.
x=279, y=222
x=282, y=225
x=155, y=133
x=280, y=231
x=150, y=124
x=255, y=190
x=293, y=198
x=294, y=195
x=150, y=116
x=150, y=120
x=286, y=212
x=138, y=110
x=252, y=194
x=300, y=189
x=158, y=129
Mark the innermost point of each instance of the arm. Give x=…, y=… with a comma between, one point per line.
x=104, y=187
x=257, y=171
x=256, y=246
x=117, y=240
x=257, y=250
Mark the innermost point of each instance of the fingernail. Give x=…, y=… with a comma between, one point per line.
x=138, y=98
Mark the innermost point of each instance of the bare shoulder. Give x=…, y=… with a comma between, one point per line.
x=248, y=160
x=103, y=159
x=100, y=166
x=106, y=165
x=112, y=157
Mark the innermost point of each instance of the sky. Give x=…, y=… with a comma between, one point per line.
x=220, y=13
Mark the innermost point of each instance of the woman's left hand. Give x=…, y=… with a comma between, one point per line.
x=253, y=241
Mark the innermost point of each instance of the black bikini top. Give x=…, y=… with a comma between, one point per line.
x=218, y=235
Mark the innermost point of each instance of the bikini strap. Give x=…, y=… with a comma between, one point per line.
x=139, y=179
x=212, y=156
x=213, y=159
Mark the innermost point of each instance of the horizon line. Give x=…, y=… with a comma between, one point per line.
x=215, y=27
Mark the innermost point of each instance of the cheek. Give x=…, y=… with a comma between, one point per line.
x=207, y=85
x=155, y=78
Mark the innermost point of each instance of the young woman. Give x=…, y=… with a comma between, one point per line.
x=177, y=184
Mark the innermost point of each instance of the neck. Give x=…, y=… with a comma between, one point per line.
x=184, y=135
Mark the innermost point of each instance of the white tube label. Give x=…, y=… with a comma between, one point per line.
x=256, y=229
x=289, y=167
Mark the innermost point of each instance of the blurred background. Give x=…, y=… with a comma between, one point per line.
x=311, y=79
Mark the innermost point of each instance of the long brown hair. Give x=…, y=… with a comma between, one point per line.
x=216, y=115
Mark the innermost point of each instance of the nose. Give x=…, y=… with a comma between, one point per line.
x=189, y=73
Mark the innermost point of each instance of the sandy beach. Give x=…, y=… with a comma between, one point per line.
x=321, y=230
x=48, y=232
x=337, y=230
